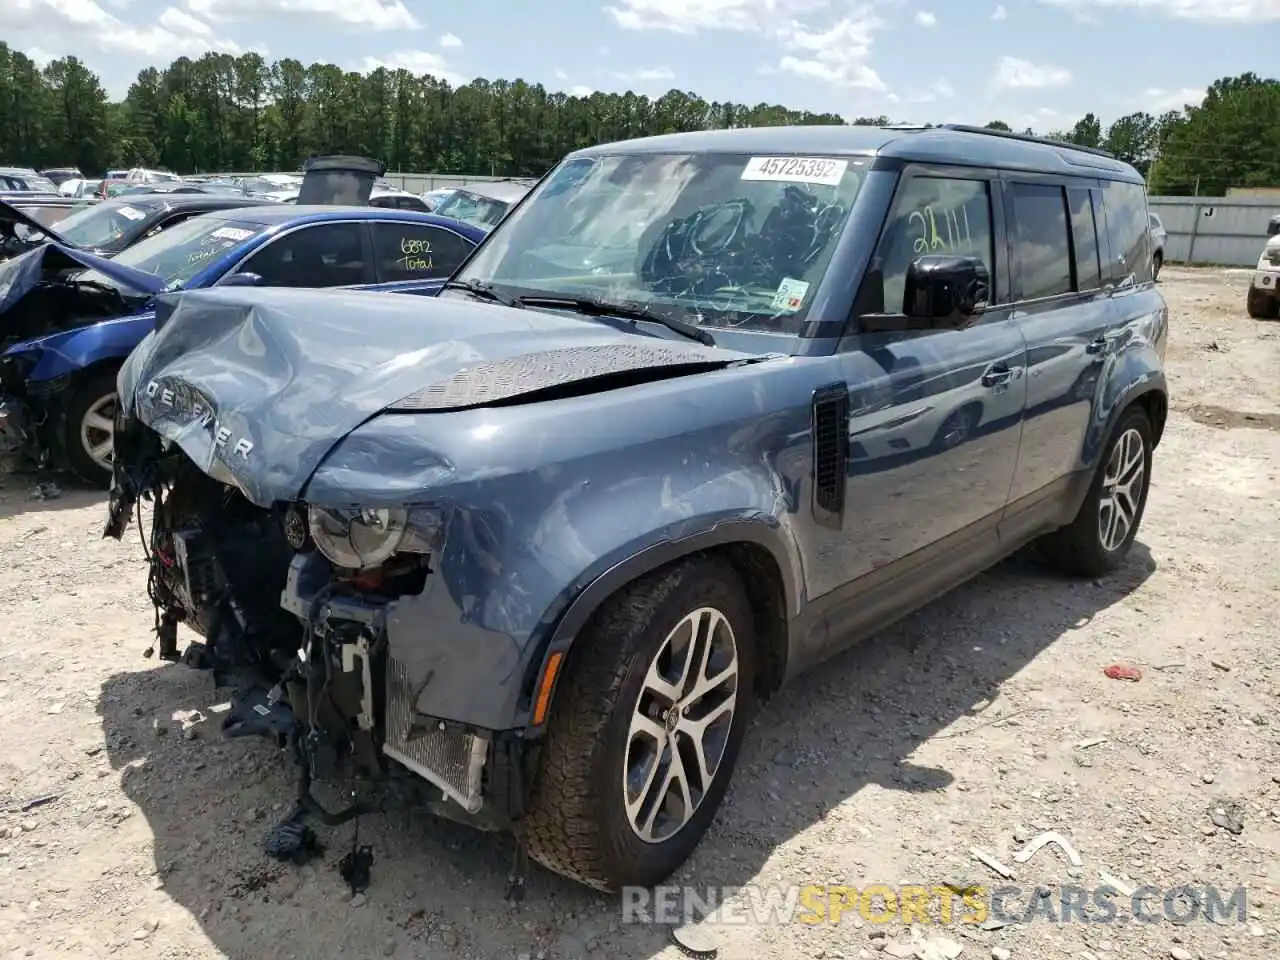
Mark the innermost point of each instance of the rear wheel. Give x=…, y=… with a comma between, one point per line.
x=89, y=427
x=646, y=727
x=1262, y=305
x=1098, y=541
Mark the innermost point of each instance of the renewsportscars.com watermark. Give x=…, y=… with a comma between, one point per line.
x=829, y=904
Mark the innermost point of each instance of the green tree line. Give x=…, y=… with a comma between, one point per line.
x=224, y=113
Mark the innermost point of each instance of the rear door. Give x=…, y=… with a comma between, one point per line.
x=416, y=257
x=1063, y=305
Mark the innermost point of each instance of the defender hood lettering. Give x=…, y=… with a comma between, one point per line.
x=22, y=274
x=258, y=385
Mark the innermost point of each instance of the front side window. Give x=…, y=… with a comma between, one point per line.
x=324, y=255
x=931, y=215
x=178, y=254
x=1129, y=232
x=411, y=251
x=1041, y=257
x=717, y=239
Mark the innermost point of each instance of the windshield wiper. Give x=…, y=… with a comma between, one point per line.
x=625, y=311
x=483, y=290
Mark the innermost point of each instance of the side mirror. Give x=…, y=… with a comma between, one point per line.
x=946, y=292
x=941, y=292
x=241, y=280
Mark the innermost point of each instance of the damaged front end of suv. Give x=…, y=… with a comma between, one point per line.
x=360, y=530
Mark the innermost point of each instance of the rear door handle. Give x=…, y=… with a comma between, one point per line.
x=996, y=374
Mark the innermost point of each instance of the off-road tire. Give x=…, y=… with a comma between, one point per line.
x=1262, y=306
x=1077, y=549
x=1156, y=263
x=576, y=824
x=84, y=395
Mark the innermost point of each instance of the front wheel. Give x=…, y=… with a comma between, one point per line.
x=89, y=429
x=1100, y=537
x=645, y=729
x=1156, y=263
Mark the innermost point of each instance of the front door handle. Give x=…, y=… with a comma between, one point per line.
x=1098, y=346
x=996, y=374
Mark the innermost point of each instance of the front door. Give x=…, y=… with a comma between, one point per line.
x=934, y=419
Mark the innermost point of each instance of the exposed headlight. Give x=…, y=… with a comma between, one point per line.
x=357, y=539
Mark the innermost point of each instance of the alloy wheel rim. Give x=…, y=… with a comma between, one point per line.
x=1123, y=483
x=97, y=428
x=680, y=726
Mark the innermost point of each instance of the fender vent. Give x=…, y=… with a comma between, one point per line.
x=830, y=453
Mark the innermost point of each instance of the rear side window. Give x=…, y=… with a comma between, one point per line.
x=1129, y=232
x=1041, y=242
x=1084, y=236
x=413, y=251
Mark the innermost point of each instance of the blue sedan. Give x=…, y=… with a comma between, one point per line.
x=75, y=317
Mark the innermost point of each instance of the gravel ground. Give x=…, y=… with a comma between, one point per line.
x=978, y=723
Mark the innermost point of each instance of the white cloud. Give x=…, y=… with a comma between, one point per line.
x=648, y=76
x=1158, y=100
x=580, y=91
x=561, y=75
x=83, y=28
x=839, y=56
x=450, y=40
x=690, y=16
x=362, y=14
x=1206, y=11
x=181, y=22
x=938, y=90
x=1000, y=13
x=1013, y=73
x=417, y=62
x=926, y=19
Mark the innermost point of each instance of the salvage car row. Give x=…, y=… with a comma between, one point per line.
x=698, y=413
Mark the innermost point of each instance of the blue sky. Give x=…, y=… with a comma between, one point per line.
x=1039, y=63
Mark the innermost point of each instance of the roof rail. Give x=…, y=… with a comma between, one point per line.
x=1027, y=138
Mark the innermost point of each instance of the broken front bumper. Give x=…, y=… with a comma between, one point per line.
x=450, y=756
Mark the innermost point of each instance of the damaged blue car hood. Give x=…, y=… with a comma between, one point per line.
x=256, y=386
x=24, y=273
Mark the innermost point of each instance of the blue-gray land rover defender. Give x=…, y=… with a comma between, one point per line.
x=702, y=411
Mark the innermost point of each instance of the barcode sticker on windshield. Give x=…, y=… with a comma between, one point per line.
x=796, y=170
x=231, y=233
x=132, y=214
x=790, y=295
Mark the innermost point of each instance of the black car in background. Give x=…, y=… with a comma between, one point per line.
x=107, y=227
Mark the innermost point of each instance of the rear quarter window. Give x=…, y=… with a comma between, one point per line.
x=1129, y=233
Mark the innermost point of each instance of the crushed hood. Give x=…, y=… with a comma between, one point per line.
x=22, y=274
x=258, y=385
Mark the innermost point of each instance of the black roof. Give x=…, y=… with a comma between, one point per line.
x=948, y=144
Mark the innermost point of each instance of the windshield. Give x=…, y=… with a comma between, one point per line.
x=722, y=240
x=106, y=225
x=471, y=208
x=179, y=253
